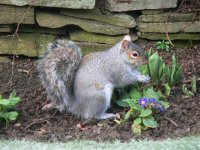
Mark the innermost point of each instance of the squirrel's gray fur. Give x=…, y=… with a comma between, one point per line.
x=84, y=86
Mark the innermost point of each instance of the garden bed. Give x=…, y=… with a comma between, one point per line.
x=181, y=119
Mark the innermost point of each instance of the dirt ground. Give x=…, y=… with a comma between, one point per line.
x=181, y=119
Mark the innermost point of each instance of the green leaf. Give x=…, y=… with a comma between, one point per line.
x=174, y=62
x=186, y=91
x=135, y=94
x=168, y=74
x=145, y=113
x=150, y=93
x=177, y=75
x=133, y=104
x=137, y=121
x=2, y=115
x=155, y=61
x=122, y=103
x=167, y=89
x=150, y=122
x=128, y=114
x=11, y=115
x=4, y=102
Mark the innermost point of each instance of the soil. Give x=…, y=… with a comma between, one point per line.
x=181, y=119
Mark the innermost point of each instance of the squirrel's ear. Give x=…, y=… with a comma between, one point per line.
x=125, y=42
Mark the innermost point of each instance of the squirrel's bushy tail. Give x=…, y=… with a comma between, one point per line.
x=57, y=71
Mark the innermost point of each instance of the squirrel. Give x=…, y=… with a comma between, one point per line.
x=84, y=85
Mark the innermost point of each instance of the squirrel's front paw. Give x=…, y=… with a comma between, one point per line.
x=144, y=79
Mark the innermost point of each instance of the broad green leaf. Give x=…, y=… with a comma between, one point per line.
x=172, y=81
x=161, y=70
x=145, y=113
x=154, y=64
x=137, y=121
x=4, y=102
x=122, y=103
x=135, y=94
x=167, y=48
x=128, y=114
x=11, y=115
x=177, y=75
x=167, y=89
x=150, y=93
x=134, y=105
x=150, y=122
x=1, y=98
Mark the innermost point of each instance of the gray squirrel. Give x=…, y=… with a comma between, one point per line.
x=84, y=85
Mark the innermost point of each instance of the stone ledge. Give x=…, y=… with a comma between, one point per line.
x=75, y=4
x=190, y=27
x=128, y=5
x=167, y=17
x=120, y=19
x=13, y=14
x=32, y=45
x=173, y=36
x=51, y=20
x=97, y=38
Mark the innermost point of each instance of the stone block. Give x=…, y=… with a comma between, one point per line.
x=97, y=38
x=120, y=19
x=13, y=14
x=75, y=4
x=170, y=27
x=129, y=5
x=52, y=20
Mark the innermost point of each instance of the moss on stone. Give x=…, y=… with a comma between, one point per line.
x=96, y=38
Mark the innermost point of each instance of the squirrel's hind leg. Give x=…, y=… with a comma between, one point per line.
x=108, y=90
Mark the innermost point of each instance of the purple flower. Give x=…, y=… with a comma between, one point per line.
x=152, y=100
x=143, y=102
x=159, y=106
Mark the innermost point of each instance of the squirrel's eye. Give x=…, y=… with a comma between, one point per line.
x=135, y=54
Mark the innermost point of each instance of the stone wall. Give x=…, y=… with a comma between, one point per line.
x=94, y=28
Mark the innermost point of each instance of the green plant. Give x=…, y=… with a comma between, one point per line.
x=163, y=74
x=193, y=91
x=187, y=92
x=5, y=108
x=163, y=45
x=141, y=104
